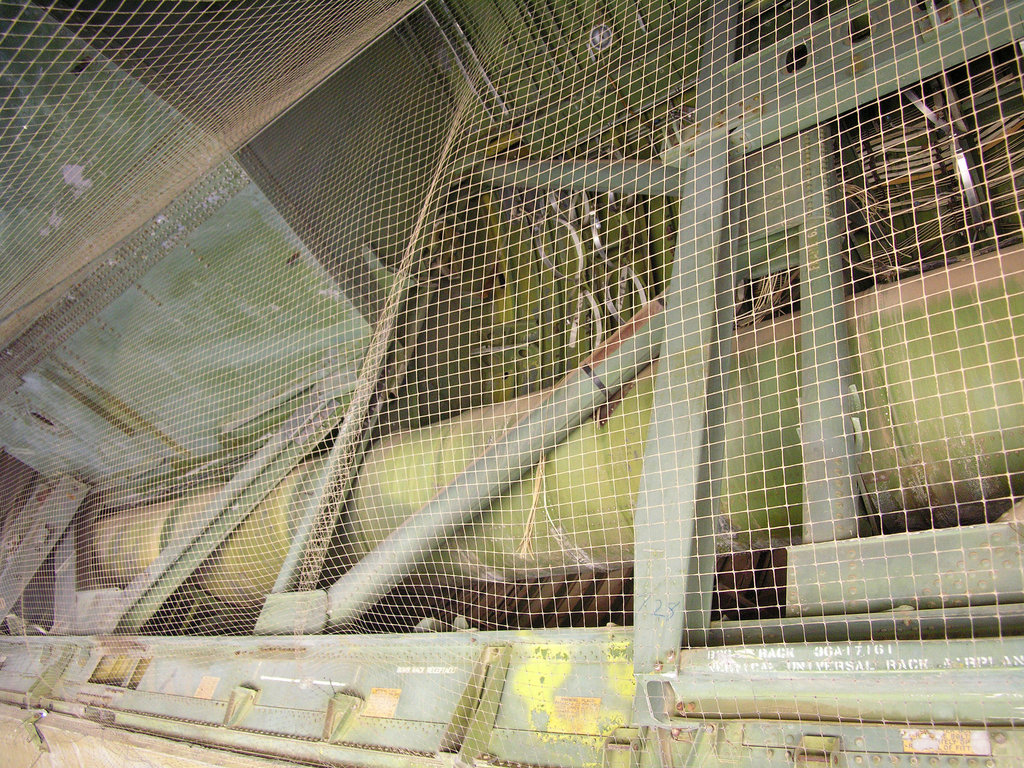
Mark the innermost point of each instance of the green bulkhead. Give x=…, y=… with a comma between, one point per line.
x=937, y=419
x=940, y=360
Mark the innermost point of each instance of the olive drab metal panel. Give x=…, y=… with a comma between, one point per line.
x=571, y=383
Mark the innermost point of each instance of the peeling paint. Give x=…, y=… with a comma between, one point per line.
x=74, y=175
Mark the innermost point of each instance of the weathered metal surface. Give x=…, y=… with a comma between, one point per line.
x=965, y=565
x=29, y=535
x=60, y=189
x=970, y=682
x=565, y=695
x=944, y=408
x=109, y=400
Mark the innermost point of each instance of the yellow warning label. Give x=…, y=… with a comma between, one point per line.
x=206, y=688
x=932, y=741
x=382, y=702
x=575, y=714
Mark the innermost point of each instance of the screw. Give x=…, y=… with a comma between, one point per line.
x=999, y=738
x=657, y=666
x=675, y=733
x=680, y=707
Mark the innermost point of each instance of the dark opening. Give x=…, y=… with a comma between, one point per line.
x=860, y=28
x=796, y=59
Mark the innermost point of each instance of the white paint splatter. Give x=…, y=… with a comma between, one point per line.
x=75, y=176
x=52, y=224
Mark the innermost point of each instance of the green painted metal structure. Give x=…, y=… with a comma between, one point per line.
x=828, y=431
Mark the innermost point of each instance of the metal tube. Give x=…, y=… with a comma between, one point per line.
x=625, y=354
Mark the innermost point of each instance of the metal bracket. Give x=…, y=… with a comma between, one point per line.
x=342, y=710
x=44, y=685
x=473, y=719
x=622, y=749
x=34, y=734
x=241, y=703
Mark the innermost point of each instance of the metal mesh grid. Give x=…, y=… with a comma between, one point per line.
x=691, y=329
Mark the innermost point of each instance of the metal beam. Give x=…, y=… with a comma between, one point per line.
x=773, y=102
x=953, y=567
x=930, y=624
x=65, y=601
x=829, y=506
x=976, y=680
x=673, y=519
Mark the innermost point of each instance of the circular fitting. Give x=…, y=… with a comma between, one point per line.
x=601, y=37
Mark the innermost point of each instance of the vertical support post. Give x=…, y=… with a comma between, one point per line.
x=65, y=599
x=829, y=508
x=674, y=527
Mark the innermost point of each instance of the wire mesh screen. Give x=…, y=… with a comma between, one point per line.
x=696, y=325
